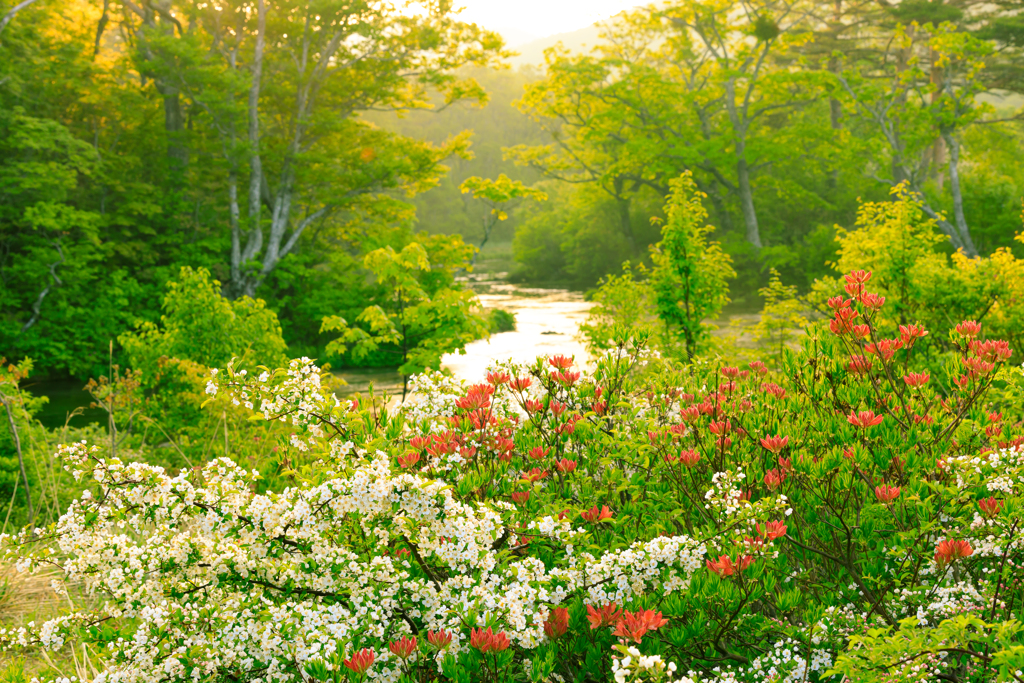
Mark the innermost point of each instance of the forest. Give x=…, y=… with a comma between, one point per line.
x=792, y=452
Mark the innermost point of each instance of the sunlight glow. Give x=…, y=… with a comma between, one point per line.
x=541, y=17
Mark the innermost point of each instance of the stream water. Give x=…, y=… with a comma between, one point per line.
x=547, y=323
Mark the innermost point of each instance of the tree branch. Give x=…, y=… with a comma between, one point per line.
x=14, y=10
x=37, y=306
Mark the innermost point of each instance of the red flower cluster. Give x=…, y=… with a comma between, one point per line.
x=557, y=623
x=855, y=281
x=360, y=661
x=720, y=428
x=560, y=362
x=911, y=333
x=886, y=348
x=775, y=443
x=403, y=648
x=565, y=465
x=969, y=329
x=594, y=515
x=949, y=550
x=478, y=397
x=498, y=378
x=886, y=493
x=440, y=639
x=488, y=641
x=865, y=419
x=726, y=567
x=521, y=383
x=608, y=615
x=535, y=475
x=773, y=479
x=990, y=507
x=771, y=530
x=843, y=322
x=635, y=625
x=916, y=379
x=689, y=458
x=408, y=460
x=991, y=351
x=538, y=453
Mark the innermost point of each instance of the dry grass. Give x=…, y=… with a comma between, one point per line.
x=30, y=597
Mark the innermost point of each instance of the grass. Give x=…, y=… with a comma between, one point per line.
x=28, y=598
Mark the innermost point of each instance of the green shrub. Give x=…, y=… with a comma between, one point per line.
x=501, y=321
x=923, y=283
x=199, y=329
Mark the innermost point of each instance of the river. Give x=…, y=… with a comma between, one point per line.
x=547, y=323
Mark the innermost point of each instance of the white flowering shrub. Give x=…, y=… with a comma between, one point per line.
x=844, y=519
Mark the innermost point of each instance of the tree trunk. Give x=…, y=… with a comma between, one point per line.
x=21, y=460
x=174, y=126
x=243, y=283
x=627, y=224
x=938, y=147
x=747, y=201
x=835, y=109
x=489, y=223
x=236, y=229
x=958, y=199
x=742, y=169
x=56, y=282
x=13, y=11
x=945, y=226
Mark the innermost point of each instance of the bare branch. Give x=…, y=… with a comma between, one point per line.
x=37, y=306
x=14, y=10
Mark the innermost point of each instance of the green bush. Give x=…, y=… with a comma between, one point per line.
x=199, y=329
x=501, y=321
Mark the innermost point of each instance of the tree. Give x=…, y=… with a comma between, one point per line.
x=922, y=88
x=200, y=325
x=782, y=315
x=420, y=317
x=735, y=45
x=282, y=82
x=689, y=86
x=500, y=196
x=690, y=274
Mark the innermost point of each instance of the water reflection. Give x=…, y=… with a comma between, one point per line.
x=547, y=322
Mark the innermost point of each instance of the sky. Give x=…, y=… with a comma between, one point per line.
x=540, y=18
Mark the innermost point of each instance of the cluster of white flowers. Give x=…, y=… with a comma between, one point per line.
x=785, y=663
x=634, y=666
x=221, y=578
x=999, y=471
x=933, y=605
x=790, y=662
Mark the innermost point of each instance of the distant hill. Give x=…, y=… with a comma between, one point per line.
x=514, y=37
x=532, y=53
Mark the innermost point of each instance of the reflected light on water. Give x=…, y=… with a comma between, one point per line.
x=547, y=322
